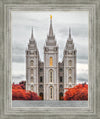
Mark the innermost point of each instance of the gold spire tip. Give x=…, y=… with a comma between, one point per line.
x=50, y=16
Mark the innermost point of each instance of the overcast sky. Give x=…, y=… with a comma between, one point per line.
x=22, y=23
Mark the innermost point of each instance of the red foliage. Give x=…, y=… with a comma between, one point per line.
x=22, y=84
x=78, y=92
x=19, y=93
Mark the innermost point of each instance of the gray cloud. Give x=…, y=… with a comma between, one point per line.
x=83, y=80
x=19, y=49
x=77, y=30
x=18, y=59
x=83, y=61
x=82, y=77
x=21, y=32
x=18, y=76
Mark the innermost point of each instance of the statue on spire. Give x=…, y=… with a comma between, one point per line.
x=50, y=16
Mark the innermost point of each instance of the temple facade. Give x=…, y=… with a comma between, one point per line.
x=50, y=78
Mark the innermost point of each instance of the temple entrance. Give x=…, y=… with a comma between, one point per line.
x=60, y=96
x=41, y=95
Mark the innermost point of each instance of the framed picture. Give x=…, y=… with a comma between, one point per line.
x=45, y=70
x=49, y=59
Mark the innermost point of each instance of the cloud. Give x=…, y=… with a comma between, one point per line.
x=77, y=30
x=83, y=61
x=17, y=80
x=18, y=59
x=82, y=77
x=82, y=72
x=22, y=23
x=21, y=31
x=18, y=76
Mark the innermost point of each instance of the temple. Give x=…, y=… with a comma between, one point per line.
x=50, y=78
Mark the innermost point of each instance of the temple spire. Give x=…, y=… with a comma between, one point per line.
x=69, y=32
x=32, y=34
x=50, y=29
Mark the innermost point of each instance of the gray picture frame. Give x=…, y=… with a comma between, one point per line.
x=93, y=109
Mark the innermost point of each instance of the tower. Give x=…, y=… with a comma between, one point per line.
x=32, y=59
x=69, y=60
x=51, y=84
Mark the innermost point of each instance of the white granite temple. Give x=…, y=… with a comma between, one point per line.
x=50, y=78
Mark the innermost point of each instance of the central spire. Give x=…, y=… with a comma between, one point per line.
x=32, y=37
x=50, y=29
x=69, y=32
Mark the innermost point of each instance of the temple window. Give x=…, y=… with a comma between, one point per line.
x=31, y=71
x=51, y=61
x=61, y=86
x=32, y=79
x=70, y=71
x=51, y=92
x=60, y=69
x=70, y=86
x=41, y=79
x=32, y=87
x=61, y=79
x=41, y=86
x=70, y=62
x=51, y=75
x=31, y=63
x=70, y=79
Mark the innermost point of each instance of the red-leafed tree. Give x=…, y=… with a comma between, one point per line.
x=22, y=84
x=78, y=92
x=19, y=93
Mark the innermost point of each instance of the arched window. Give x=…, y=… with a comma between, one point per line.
x=51, y=61
x=31, y=71
x=41, y=95
x=60, y=69
x=61, y=79
x=70, y=62
x=61, y=96
x=41, y=79
x=70, y=79
x=61, y=86
x=32, y=87
x=70, y=86
x=51, y=92
x=31, y=63
x=51, y=75
x=41, y=86
x=70, y=71
x=32, y=79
